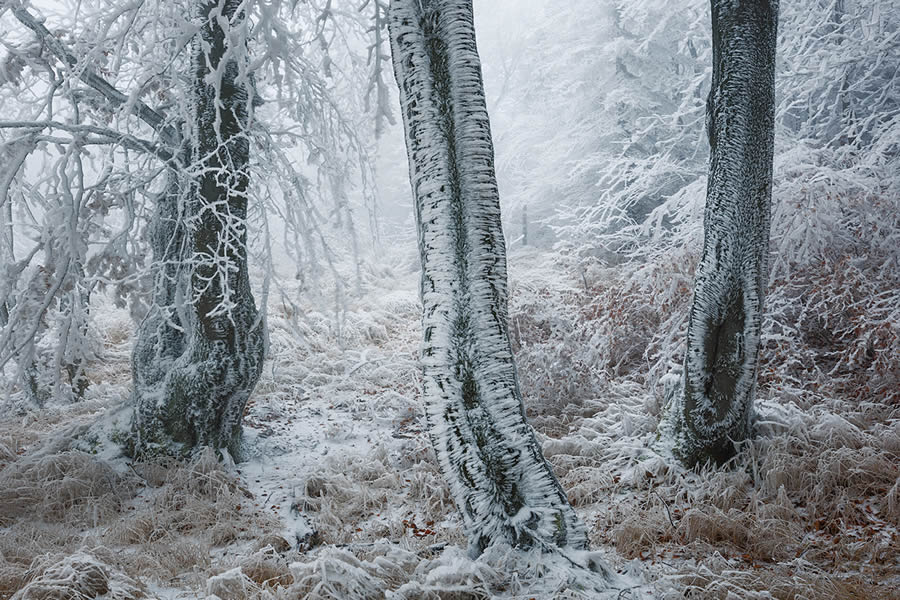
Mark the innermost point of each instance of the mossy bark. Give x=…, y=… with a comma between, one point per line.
x=201, y=348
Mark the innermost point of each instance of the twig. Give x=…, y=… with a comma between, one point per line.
x=623, y=590
x=666, y=507
x=144, y=479
x=107, y=136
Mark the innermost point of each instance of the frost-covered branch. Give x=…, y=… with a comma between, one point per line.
x=168, y=135
x=377, y=88
x=104, y=136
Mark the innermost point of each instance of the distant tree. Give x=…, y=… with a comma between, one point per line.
x=600, y=130
x=713, y=409
x=498, y=477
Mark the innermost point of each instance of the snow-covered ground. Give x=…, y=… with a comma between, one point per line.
x=340, y=497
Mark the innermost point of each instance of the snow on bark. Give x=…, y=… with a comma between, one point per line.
x=713, y=409
x=499, y=479
x=13, y=156
x=161, y=337
x=198, y=398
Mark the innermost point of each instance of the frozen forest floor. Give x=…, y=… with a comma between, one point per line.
x=340, y=498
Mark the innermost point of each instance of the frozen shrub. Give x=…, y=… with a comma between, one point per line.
x=571, y=340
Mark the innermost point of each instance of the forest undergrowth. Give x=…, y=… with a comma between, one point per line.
x=340, y=497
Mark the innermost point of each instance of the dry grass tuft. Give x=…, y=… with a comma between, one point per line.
x=345, y=494
x=26, y=541
x=51, y=504
x=640, y=532
x=6, y=455
x=267, y=568
x=838, y=484
x=756, y=539
x=783, y=582
x=336, y=574
x=73, y=486
x=189, y=508
x=79, y=576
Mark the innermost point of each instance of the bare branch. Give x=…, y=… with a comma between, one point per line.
x=106, y=136
x=168, y=134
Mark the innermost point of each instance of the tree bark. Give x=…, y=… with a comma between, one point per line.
x=713, y=409
x=499, y=479
x=14, y=155
x=202, y=348
x=161, y=337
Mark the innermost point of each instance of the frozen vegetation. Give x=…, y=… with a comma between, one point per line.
x=347, y=480
x=341, y=496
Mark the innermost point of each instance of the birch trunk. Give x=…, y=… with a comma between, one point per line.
x=200, y=398
x=499, y=479
x=713, y=409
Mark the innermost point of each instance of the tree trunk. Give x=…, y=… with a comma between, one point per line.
x=161, y=337
x=487, y=452
x=713, y=409
x=201, y=349
x=13, y=156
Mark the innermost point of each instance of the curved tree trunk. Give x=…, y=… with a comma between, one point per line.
x=487, y=452
x=206, y=314
x=713, y=409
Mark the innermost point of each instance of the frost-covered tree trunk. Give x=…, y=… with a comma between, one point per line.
x=200, y=398
x=713, y=408
x=487, y=452
x=13, y=156
x=161, y=338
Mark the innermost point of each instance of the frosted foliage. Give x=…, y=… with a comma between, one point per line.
x=605, y=135
x=97, y=164
x=498, y=478
x=602, y=128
